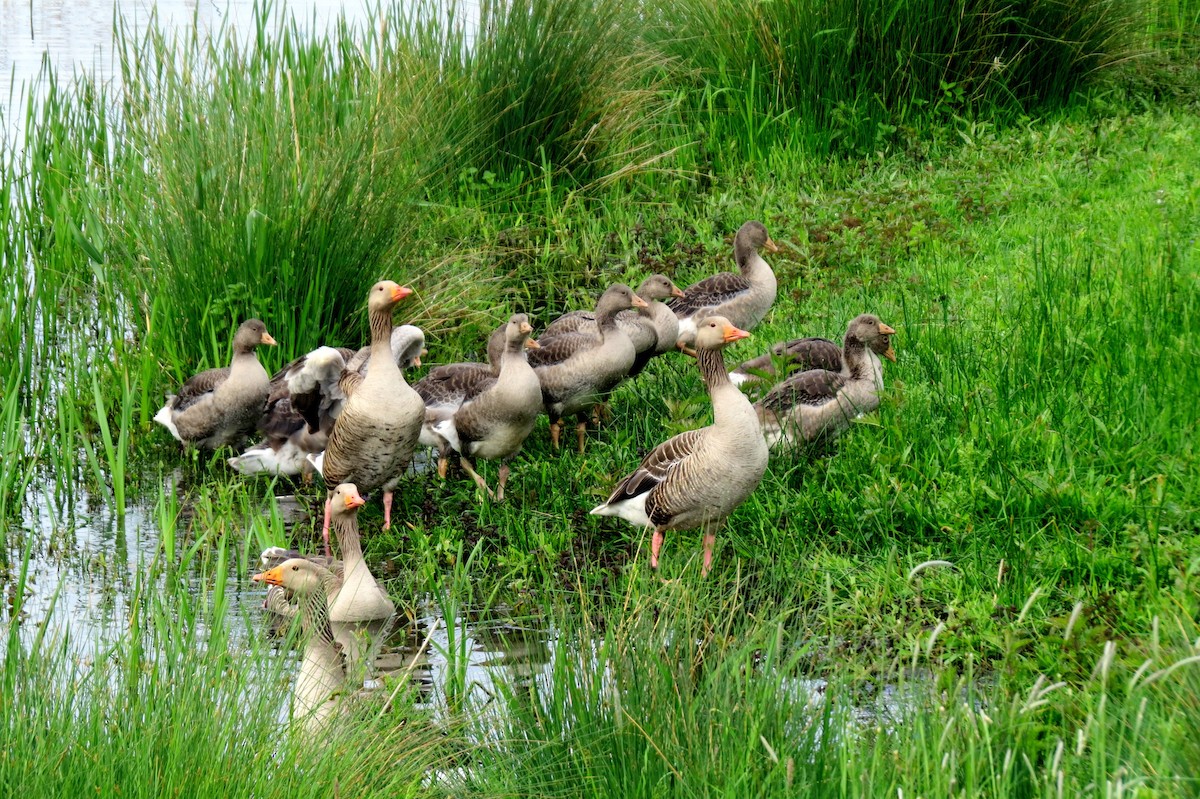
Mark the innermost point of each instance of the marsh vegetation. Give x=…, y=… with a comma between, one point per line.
x=990, y=587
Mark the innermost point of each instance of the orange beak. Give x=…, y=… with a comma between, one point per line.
x=270, y=577
x=267, y=338
x=354, y=501
x=890, y=354
x=400, y=292
x=638, y=302
x=735, y=334
x=771, y=245
x=676, y=291
x=530, y=344
x=886, y=330
x=526, y=327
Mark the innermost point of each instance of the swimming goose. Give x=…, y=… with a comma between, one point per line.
x=322, y=676
x=220, y=406
x=822, y=402
x=796, y=355
x=743, y=298
x=495, y=422
x=653, y=329
x=698, y=477
x=309, y=385
x=372, y=442
x=593, y=367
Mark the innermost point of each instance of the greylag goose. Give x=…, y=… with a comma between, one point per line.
x=373, y=439
x=798, y=354
x=698, y=477
x=653, y=329
x=495, y=422
x=820, y=402
x=593, y=365
x=322, y=676
x=308, y=386
x=220, y=406
x=743, y=298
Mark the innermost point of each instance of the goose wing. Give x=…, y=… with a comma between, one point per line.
x=657, y=466
x=719, y=288
x=199, y=387
x=813, y=387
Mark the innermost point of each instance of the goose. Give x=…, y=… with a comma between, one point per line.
x=373, y=439
x=593, y=365
x=220, y=406
x=448, y=386
x=322, y=676
x=309, y=385
x=743, y=298
x=495, y=422
x=653, y=329
x=821, y=402
x=798, y=354
x=698, y=477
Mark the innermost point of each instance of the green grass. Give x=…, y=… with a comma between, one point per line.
x=1037, y=433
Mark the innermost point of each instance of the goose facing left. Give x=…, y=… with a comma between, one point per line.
x=220, y=406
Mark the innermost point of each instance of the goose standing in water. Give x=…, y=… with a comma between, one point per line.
x=374, y=437
x=322, y=676
x=220, y=406
x=820, y=402
x=742, y=298
x=698, y=477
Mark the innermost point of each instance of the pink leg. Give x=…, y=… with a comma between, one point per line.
x=709, y=540
x=656, y=542
x=325, y=529
x=503, y=480
x=387, y=510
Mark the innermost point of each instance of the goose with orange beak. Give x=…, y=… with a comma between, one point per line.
x=697, y=478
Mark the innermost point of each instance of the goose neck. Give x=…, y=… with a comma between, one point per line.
x=346, y=530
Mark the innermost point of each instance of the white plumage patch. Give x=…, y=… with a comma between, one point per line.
x=318, y=462
x=167, y=419
x=632, y=510
x=687, y=330
x=289, y=460
x=448, y=431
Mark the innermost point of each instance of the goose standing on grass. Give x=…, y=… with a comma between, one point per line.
x=743, y=298
x=698, y=477
x=220, y=406
x=373, y=439
x=322, y=676
x=593, y=364
x=653, y=329
x=821, y=402
x=495, y=422
x=796, y=355
x=308, y=387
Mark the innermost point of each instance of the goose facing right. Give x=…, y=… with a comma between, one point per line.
x=220, y=406
x=698, y=477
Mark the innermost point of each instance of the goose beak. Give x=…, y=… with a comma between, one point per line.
x=676, y=291
x=638, y=302
x=270, y=577
x=886, y=330
x=526, y=327
x=267, y=338
x=400, y=292
x=735, y=334
x=354, y=500
x=890, y=354
x=530, y=344
x=771, y=245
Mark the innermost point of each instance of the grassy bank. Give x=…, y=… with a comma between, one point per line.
x=1030, y=232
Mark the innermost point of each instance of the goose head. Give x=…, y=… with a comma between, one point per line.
x=384, y=295
x=616, y=298
x=518, y=332
x=345, y=501
x=873, y=333
x=717, y=332
x=299, y=576
x=752, y=238
x=250, y=334
x=408, y=346
x=658, y=287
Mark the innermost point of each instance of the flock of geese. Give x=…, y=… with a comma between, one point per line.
x=353, y=417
